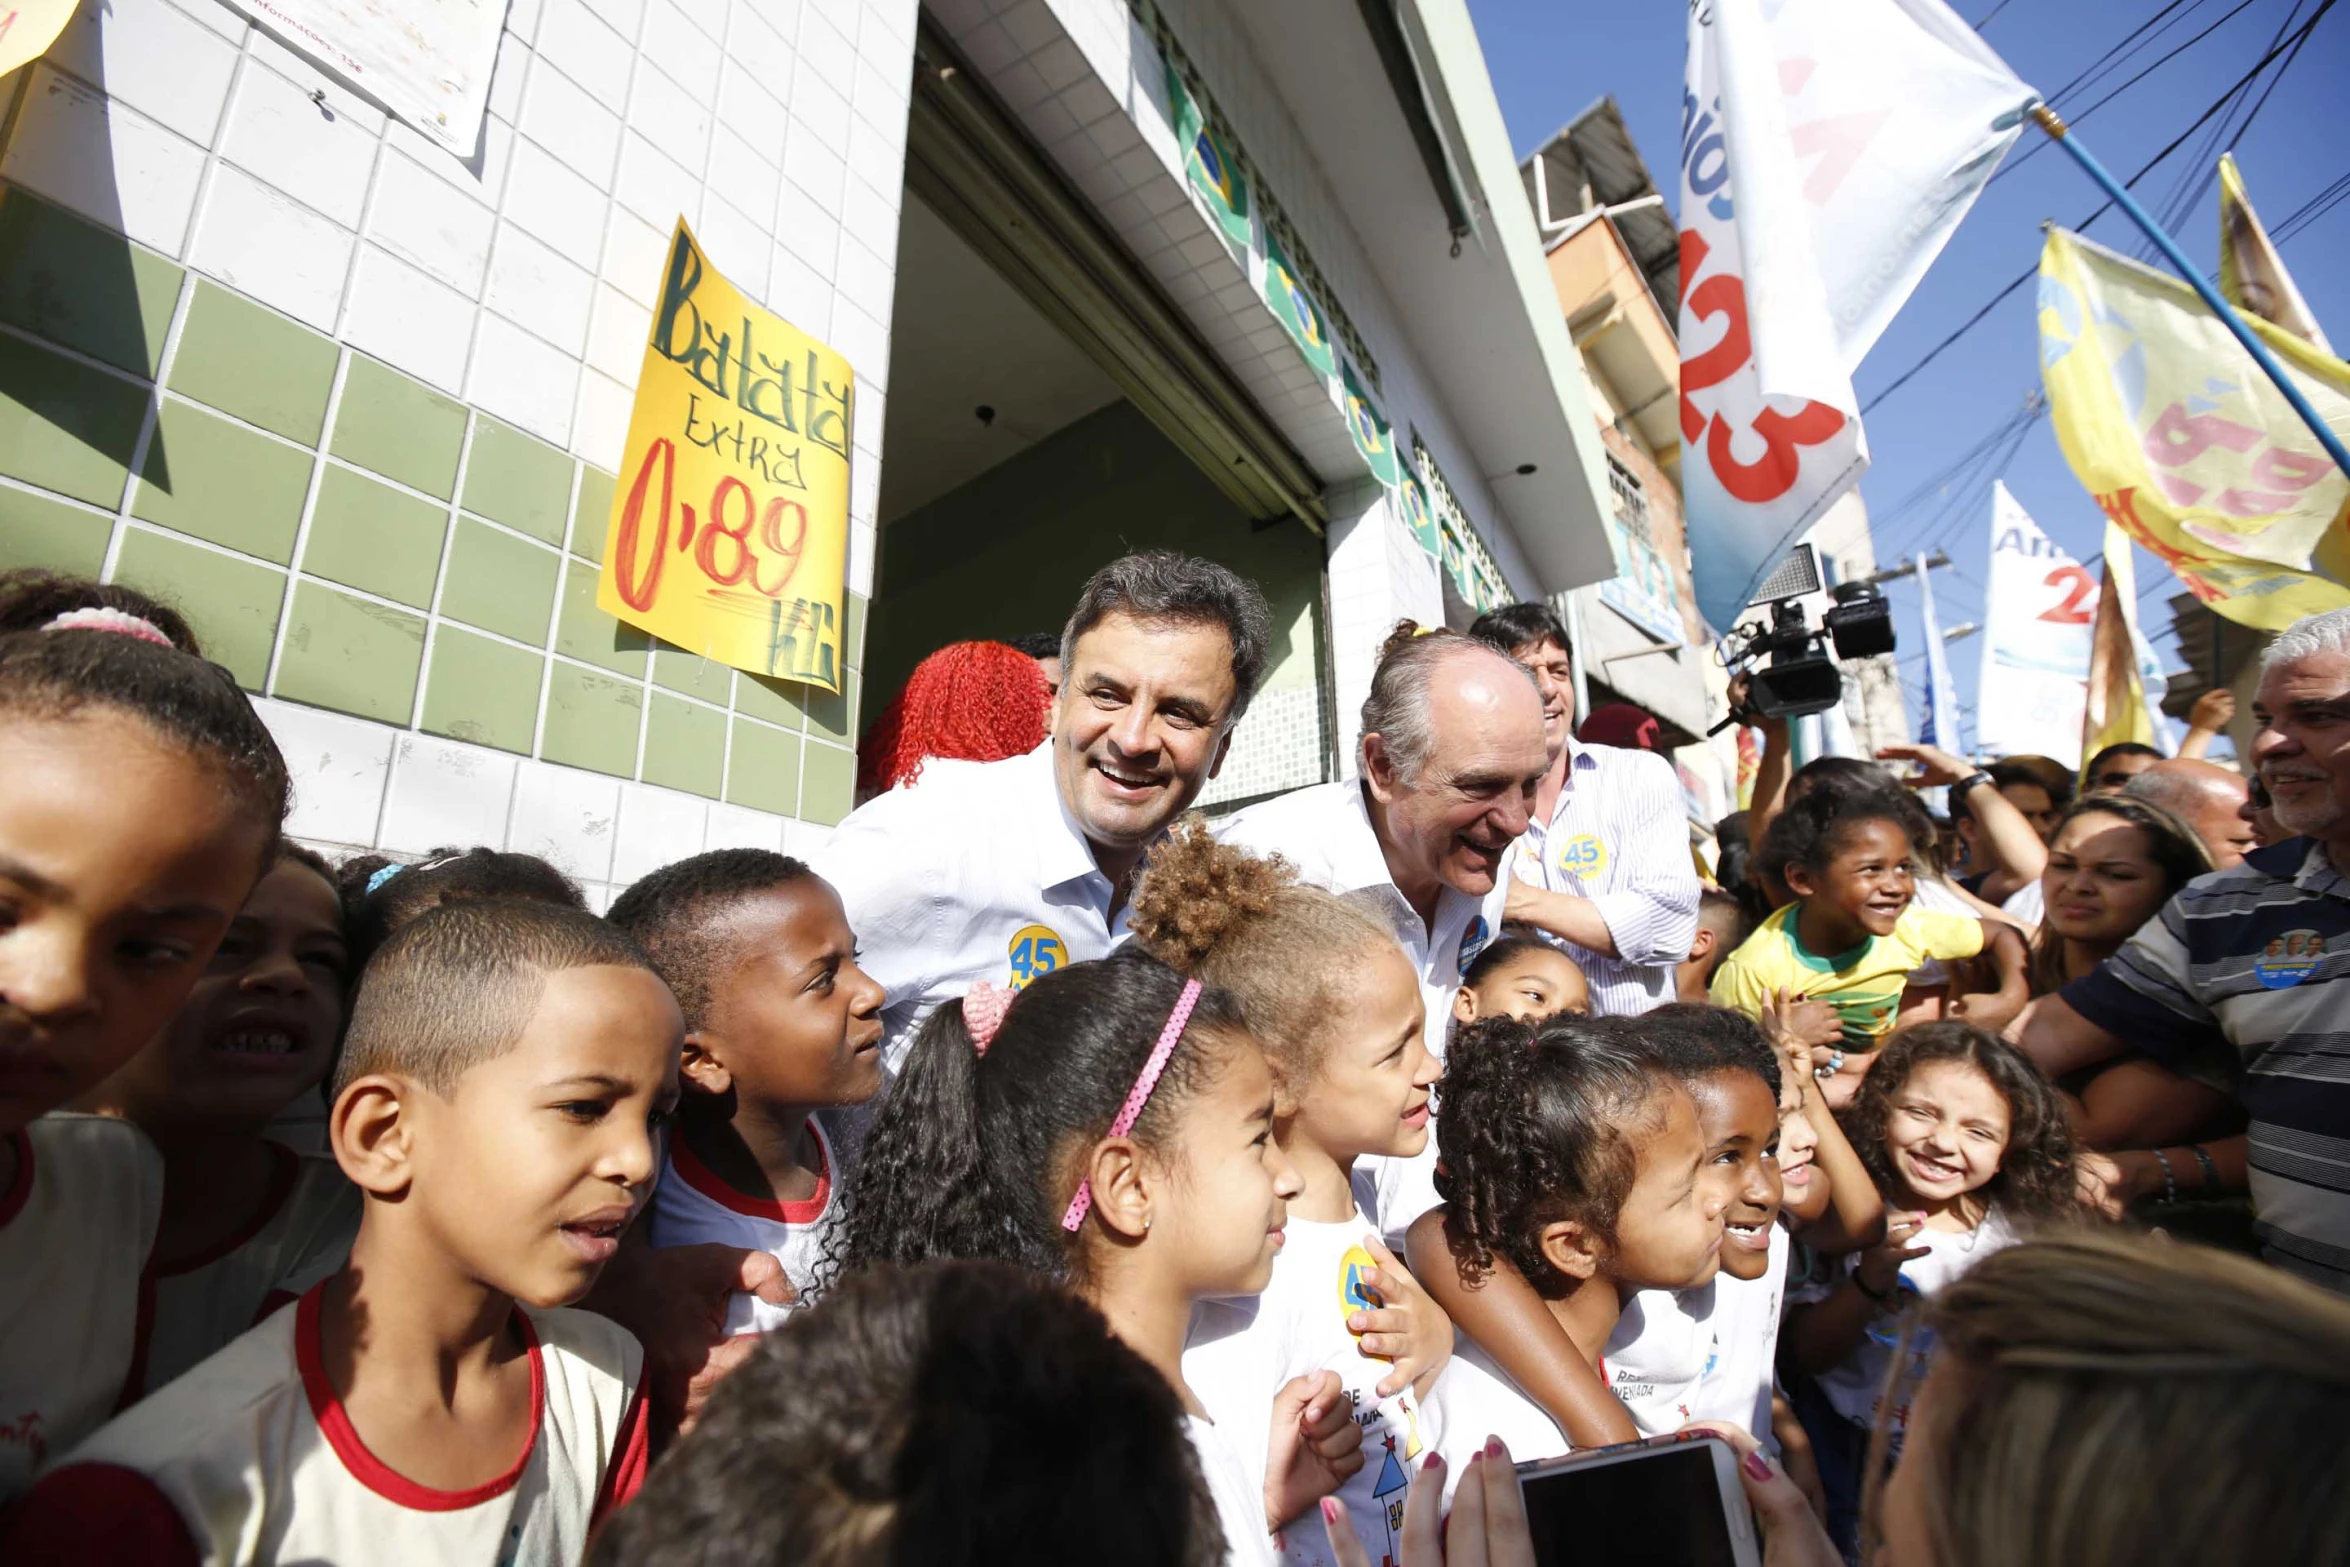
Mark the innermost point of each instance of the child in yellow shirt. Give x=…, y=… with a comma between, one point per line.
x=1852, y=937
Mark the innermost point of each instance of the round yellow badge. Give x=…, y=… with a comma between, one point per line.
x=1582, y=857
x=1036, y=951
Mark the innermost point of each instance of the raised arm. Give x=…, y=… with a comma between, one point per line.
x=2207, y=720
x=2021, y=854
x=1510, y=1323
x=1771, y=770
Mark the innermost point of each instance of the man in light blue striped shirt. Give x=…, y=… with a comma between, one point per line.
x=1604, y=867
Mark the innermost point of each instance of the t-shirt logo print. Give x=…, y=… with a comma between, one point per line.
x=1036, y=951
x=2289, y=959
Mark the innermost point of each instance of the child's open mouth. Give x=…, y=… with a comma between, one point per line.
x=597, y=1237
x=1933, y=1171
x=1752, y=1237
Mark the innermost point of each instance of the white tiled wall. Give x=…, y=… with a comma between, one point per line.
x=520, y=280
x=360, y=786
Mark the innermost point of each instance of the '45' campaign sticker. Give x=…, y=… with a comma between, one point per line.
x=1036, y=951
x=1583, y=857
x=2289, y=959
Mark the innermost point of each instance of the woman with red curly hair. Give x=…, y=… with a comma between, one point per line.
x=969, y=701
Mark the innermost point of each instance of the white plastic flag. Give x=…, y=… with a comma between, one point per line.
x=1940, y=727
x=1828, y=148
x=2038, y=616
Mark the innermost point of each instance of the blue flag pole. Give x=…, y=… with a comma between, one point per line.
x=2048, y=120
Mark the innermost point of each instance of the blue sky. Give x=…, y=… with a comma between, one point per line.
x=1551, y=59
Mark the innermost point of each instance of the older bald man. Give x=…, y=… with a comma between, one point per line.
x=2208, y=798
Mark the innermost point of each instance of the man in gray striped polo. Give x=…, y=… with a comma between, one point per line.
x=2257, y=957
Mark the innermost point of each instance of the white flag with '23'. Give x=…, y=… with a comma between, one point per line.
x=1828, y=148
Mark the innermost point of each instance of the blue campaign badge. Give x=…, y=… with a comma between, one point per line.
x=1473, y=941
x=2289, y=959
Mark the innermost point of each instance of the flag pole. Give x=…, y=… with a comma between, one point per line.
x=2048, y=120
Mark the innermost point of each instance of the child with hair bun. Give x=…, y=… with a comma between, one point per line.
x=141, y=800
x=1110, y=1127
x=1322, y=983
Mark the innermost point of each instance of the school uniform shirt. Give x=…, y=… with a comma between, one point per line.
x=1863, y=984
x=1324, y=830
x=76, y=1224
x=1737, y=1382
x=692, y=1205
x=195, y=1307
x=1474, y=1398
x=1240, y=1352
x=1240, y=1503
x=1619, y=835
x=1856, y=1386
x=251, y=1458
x=1661, y=1349
x=974, y=871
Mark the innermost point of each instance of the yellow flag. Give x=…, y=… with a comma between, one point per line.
x=729, y=533
x=2186, y=444
x=28, y=28
x=2252, y=276
x=2116, y=708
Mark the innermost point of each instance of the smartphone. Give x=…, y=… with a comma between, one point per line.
x=1671, y=1501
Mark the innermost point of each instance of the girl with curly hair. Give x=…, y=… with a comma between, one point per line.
x=1972, y=1150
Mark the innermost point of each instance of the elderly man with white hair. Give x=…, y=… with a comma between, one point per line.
x=2251, y=956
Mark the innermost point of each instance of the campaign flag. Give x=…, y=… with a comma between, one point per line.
x=2038, y=613
x=1828, y=148
x=1940, y=725
x=1209, y=163
x=2252, y=276
x=2187, y=444
x=2115, y=708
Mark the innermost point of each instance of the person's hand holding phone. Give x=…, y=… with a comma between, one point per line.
x=1792, y=1536
x=1487, y=1527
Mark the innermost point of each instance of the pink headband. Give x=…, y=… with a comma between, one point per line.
x=1131, y=1111
x=984, y=1007
x=99, y=618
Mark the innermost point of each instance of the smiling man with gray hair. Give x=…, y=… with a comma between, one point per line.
x=2250, y=957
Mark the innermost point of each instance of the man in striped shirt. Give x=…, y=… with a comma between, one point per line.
x=1604, y=866
x=2256, y=958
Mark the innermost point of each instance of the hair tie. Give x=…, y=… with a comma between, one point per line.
x=382, y=875
x=98, y=617
x=1131, y=1110
x=984, y=1006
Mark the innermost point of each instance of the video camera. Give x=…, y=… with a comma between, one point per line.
x=1788, y=670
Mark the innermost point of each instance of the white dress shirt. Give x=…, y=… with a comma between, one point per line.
x=974, y=871
x=1325, y=831
x=1620, y=837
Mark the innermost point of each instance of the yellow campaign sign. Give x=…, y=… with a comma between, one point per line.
x=729, y=534
x=2187, y=445
x=28, y=28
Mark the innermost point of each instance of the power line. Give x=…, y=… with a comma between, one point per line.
x=2197, y=172
x=2103, y=207
x=2311, y=210
x=1994, y=11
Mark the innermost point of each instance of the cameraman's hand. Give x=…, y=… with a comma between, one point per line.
x=1487, y=1527
x=1936, y=767
x=1792, y=1536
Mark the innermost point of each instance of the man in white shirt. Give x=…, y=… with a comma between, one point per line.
x=1451, y=751
x=1604, y=867
x=1003, y=871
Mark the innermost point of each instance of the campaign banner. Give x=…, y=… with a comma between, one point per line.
x=2039, y=613
x=730, y=525
x=28, y=28
x=2185, y=442
x=2115, y=710
x=2252, y=276
x=1828, y=149
x=1939, y=725
x=427, y=61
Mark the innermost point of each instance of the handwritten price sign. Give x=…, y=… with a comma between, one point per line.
x=730, y=525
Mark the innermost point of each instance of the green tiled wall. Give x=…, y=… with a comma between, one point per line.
x=343, y=535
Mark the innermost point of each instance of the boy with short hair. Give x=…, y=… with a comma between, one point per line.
x=1722, y=924
x=1520, y=975
x=504, y=1068
x=782, y=1027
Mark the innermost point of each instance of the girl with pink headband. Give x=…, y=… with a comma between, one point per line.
x=1110, y=1126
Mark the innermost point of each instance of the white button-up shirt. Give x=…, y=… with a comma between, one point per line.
x=974, y=871
x=1620, y=837
x=1325, y=831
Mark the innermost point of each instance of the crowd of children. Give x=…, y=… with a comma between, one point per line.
x=311, y=1177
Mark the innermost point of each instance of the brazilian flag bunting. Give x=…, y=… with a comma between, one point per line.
x=1296, y=308
x=1372, y=436
x=1209, y=164
x=1417, y=513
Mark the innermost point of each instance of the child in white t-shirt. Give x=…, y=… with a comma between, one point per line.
x=1570, y=1155
x=781, y=1024
x=1971, y=1147
x=505, y=1068
x=1325, y=985
x=140, y=799
x=248, y=1224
